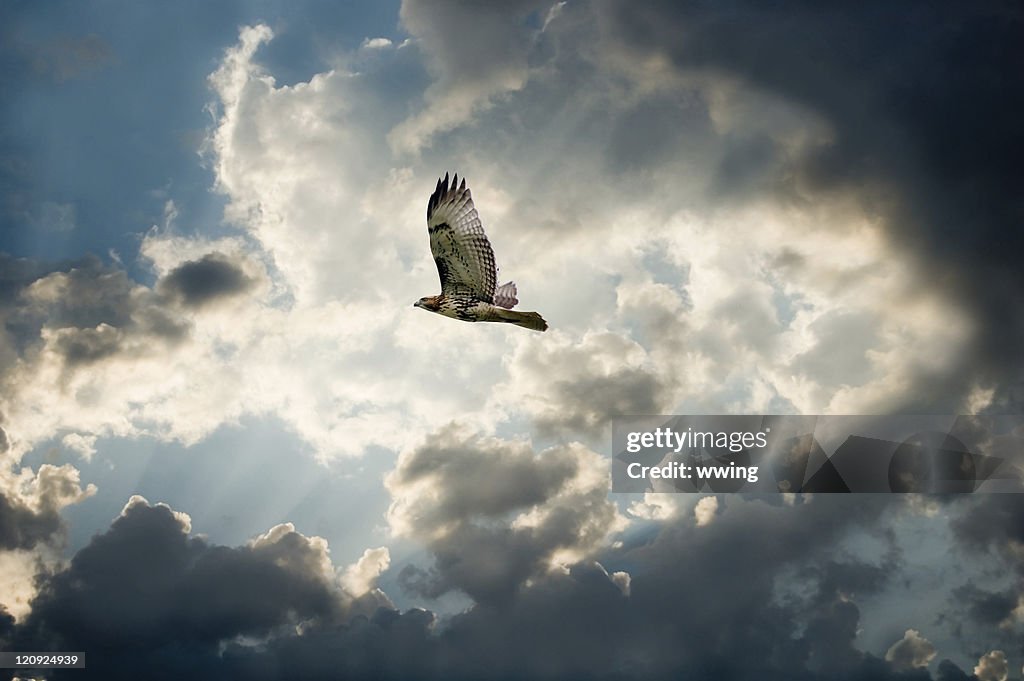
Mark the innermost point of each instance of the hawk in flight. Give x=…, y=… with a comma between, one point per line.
x=465, y=263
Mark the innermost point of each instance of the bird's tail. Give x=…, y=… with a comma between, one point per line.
x=505, y=295
x=529, y=320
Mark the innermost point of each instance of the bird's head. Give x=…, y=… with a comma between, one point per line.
x=428, y=303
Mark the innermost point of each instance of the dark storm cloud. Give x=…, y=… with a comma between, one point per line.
x=992, y=522
x=458, y=495
x=923, y=100
x=947, y=671
x=734, y=598
x=25, y=526
x=699, y=606
x=91, y=311
x=986, y=527
x=987, y=607
x=696, y=601
x=85, y=346
x=993, y=525
x=213, y=277
x=146, y=588
x=15, y=273
x=145, y=598
x=22, y=527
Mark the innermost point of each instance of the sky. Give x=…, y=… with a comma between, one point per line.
x=231, y=448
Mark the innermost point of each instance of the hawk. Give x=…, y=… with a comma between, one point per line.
x=465, y=263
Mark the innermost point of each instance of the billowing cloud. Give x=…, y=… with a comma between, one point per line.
x=742, y=211
x=888, y=107
x=497, y=514
x=704, y=511
x=911, y=651
x=992, y=667
x=664, y=299
x=154, y=596
x=573, y=388
x=989, y=523
x=146, y=579
x=989, y=527
x=989, y=608
x=361, y=577
x=32, y=531
x=29, y=512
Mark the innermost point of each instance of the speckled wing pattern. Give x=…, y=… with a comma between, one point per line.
x=464, y=258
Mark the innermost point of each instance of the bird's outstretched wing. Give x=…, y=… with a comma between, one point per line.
x=465, y=261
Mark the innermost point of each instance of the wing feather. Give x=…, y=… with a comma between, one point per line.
x=464, y=258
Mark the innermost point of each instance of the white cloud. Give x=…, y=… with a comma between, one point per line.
x=911, y=652
x=992, y=666
x=661, y=505
x=18, y=570
x=376, y=43
x=84, y=445
x=704, y=511
x=657, y=299
x=361, y=577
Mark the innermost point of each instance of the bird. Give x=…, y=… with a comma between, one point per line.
x=465, y=263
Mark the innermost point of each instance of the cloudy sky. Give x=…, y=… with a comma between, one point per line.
x=231, y=448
